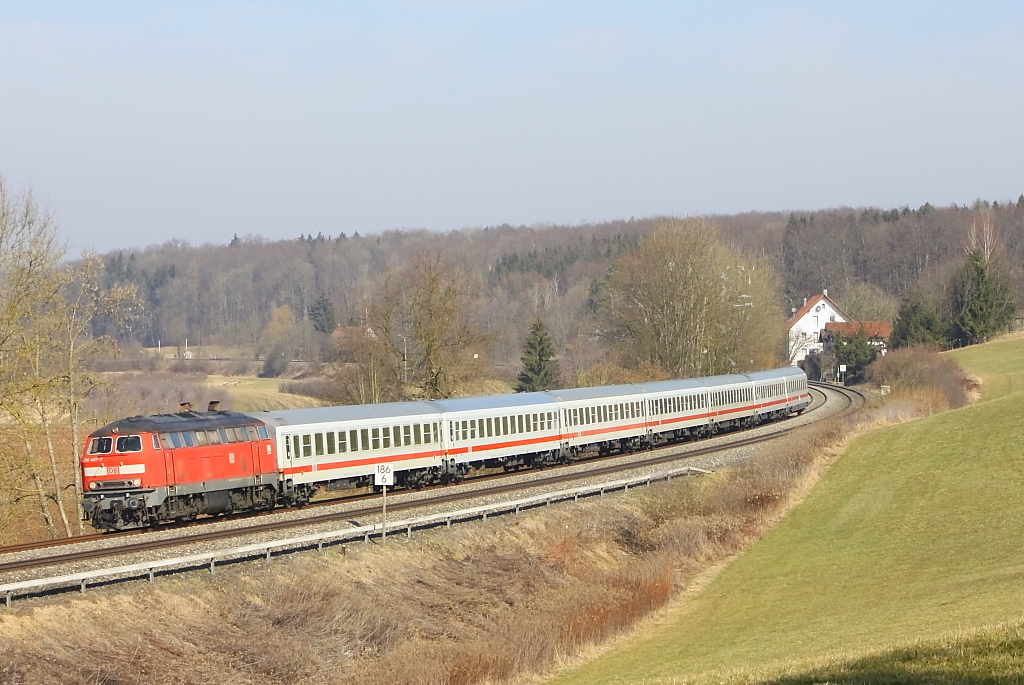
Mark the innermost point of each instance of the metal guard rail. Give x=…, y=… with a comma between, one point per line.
x=265, y=549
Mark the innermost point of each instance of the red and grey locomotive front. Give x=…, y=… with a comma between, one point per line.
x=148, y=469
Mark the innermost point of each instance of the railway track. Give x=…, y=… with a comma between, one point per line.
x=491, y=485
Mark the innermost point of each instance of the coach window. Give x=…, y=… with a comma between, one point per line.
x=330, y=443
x=342, y=442
x=416, y=434
x=307, y=446
x=364, y=439
x=490, y=427
x=376, y=438
x=319, y=441
x=386, y=437
x=465, y=431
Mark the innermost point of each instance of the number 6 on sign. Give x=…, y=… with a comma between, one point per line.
x=384, y=475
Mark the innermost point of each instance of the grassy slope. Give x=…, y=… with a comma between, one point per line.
x=914, y=533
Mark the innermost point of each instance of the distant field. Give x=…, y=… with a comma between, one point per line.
x=248, y=393
x=914, y=534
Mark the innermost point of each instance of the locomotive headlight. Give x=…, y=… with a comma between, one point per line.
x=137, y=482
x=93, y=485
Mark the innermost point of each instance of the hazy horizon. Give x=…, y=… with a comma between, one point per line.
x=141, y=124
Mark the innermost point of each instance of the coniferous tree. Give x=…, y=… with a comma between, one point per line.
x=982, y=301
x=917, y=324
x=540, y=370
x=321, y=314
x=855, y=351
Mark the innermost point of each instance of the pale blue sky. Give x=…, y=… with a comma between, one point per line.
x=142, y=122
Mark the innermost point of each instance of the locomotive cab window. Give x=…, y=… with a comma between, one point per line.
x=101, y=445
x=129, y=443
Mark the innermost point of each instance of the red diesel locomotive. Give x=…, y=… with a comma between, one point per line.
x=178, y=466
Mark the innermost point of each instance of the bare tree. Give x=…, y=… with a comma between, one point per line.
x=422, y=314
x=686, y=304
x=868, y=302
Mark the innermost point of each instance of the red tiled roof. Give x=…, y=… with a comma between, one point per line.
x=875, y=329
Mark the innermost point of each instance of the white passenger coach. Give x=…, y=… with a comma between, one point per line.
x=442, y=440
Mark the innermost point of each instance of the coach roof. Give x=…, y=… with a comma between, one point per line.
x=355, y=412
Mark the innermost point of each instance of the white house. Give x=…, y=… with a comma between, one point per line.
x=806, y=323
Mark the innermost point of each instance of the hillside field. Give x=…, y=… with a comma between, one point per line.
x=904, y=564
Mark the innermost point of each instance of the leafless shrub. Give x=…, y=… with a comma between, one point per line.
x=921, y=373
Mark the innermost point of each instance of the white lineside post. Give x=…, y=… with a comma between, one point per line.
x=384, y=476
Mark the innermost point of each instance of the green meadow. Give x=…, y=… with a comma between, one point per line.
x=904, y=564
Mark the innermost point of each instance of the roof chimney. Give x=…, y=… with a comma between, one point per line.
x=824, y=291
x=805, y=301
x=186, y=406
x=213, y=405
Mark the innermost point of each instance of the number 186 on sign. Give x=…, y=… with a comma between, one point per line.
x=384, y=475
